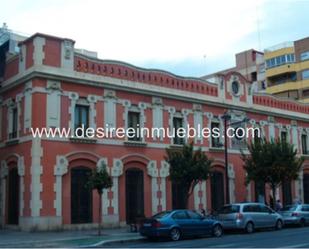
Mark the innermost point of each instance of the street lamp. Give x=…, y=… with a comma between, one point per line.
x=227, y=117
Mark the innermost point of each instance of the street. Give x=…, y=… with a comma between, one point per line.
x=288, y=237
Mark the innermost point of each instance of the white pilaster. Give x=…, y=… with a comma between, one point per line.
x=299, y=187
x=116, y=172
x=73, y=97
x=157, y=116
x=53, y=111
x=21, y=173
x=27, y=106
x=198, y=122
x=110, y=109
x=38, y=54
x=271, y=129
x=164, y=173
x=204, y=194
x=295, y=138
x=36, y=172
x=196, y=197
x=231, y=176
x=61, y=168
x=152, y=171
x=92, y=99
x=67, y=55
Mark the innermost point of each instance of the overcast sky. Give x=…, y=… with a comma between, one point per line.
x=189, y=38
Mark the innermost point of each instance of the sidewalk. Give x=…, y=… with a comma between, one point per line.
x=86, y=238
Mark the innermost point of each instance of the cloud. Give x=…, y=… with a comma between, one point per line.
x=161, y=33
x=141, y=30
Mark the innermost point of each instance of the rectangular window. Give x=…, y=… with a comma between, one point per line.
x=257, y=132
x=305, y=74
x=283, y=136
x=215, y=141
x=283, y=61
x=304, y=144
x=268, y=64
x=14, y=117
x=304, y=56
x=134, y=125
x=253, y=76
x=178, y=123
x=81, y=118
x=292, y=58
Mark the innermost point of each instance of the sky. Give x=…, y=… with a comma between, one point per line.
x=188, y=38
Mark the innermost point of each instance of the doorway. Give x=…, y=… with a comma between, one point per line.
x=81, y=196
x=13, y=196
x=134, y=195
x=217, y=190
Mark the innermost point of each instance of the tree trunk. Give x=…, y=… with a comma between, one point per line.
x=100, y=214
x=274, y=196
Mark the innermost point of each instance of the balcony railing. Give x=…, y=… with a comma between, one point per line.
x=280, y=46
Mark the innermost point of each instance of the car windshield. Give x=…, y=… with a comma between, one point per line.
x=289, y=208
x=161, y=215
x=229, y=209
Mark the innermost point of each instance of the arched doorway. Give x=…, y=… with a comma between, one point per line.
x=134, y=194
x=178, y=196
x=306, y=188
x=259, y=189
x=13, y=197
x=81, y=196
x=217, y=190
x=286, y=193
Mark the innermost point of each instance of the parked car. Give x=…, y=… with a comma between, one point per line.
x=296, y=214
x=180, y=223
x=249, y=216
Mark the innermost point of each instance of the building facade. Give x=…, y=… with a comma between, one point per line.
x=287, y=70
x=49, y=84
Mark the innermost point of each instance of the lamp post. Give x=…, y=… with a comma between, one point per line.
x=227, y=117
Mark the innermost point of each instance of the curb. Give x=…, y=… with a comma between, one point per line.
x=111, y=241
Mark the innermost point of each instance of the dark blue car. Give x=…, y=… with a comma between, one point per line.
x=180, y=223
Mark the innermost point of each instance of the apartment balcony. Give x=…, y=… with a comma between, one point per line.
x=285, y=68
x=288, y=86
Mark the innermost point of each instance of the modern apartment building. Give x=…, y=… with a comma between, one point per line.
x=287, y=70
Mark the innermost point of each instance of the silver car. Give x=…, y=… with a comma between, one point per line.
x=296, y=214
x=249, y=216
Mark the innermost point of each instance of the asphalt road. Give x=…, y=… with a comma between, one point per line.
x=288, y=237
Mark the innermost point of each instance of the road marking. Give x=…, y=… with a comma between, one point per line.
x=297, y=245
x=224, y=245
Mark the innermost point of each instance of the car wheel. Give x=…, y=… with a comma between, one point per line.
x=217, y=231
x=302, y=223
x=175, y=234
x=279, y=225
x=249, y=227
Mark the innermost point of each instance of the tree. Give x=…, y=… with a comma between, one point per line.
x=188, y=167
x=99, y=179
x=271, y=162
